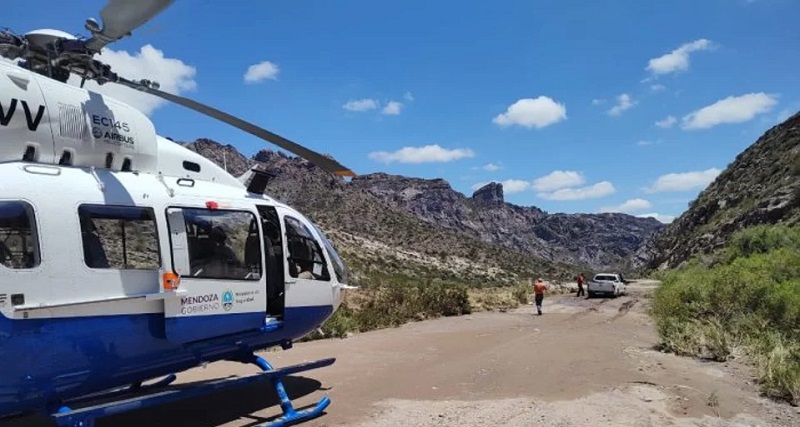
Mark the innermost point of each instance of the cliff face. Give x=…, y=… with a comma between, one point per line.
x=761, y=186
x=490, y=194
x=594, y=240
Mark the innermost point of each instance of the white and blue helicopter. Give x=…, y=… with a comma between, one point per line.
x=126, y=258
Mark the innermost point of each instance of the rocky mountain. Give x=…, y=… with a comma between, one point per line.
x=386, y=225
x=597, y=241
x=761, y=186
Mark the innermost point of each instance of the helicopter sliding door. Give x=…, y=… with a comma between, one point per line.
x=218, y=255
x=273, y=250
x=308, y=278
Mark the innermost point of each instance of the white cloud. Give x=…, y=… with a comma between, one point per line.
x=261, y=71
x=491, y=167
x=173, y=76
x=684, y=181
x=665, y=219
x=426, y=154
x=624, y=102
x=601, y=189
x=361, y=105
x=644, y=143
x=557, y=180
x=678, y=59
x=598, y=101
x=657, y=88
x=629, y=206
x=667, y=122
x=540, y=112
x=392, y=108
x=733, y=109
x=511, y=186
x=408, y=96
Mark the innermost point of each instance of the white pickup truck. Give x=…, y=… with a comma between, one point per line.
x=607, y=283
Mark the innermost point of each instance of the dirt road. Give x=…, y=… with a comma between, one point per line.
x=584, y=362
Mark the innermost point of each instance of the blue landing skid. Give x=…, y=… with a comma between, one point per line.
x=85, y=417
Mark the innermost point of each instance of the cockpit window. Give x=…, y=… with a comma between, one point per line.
x=305, y=255
x=19, y=243
x=338, y=265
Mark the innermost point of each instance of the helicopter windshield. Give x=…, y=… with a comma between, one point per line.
x=338, y=264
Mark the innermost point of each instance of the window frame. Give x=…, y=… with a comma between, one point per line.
x=157, y=233
x=183, y=209
x=33, y=220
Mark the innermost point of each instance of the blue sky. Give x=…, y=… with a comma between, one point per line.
x=630, y=106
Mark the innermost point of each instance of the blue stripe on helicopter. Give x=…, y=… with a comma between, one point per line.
x=67, y=357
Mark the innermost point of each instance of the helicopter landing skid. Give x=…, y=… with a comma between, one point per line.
x=85, y=417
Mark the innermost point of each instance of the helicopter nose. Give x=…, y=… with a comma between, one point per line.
x=338, y=296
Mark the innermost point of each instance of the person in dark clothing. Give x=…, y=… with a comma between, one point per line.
x=581, y=280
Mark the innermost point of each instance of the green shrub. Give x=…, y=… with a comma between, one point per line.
x=761, y=239
x=396, y=303
x=750, y=300
x=521, y=294
x=341, y=323
x=779, y=367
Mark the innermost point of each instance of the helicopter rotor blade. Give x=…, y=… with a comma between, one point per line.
x=324, y=162
x=120, y=17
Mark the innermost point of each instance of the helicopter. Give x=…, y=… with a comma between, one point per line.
x=125, y=257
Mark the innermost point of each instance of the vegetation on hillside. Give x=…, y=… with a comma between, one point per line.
x=743, y=300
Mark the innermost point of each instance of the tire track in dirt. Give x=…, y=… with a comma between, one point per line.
x=624, y=309
x=589, y=306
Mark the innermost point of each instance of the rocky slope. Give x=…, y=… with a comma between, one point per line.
x=761, y=186
x=387, y=225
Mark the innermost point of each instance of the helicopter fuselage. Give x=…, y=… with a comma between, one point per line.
x=125, y=256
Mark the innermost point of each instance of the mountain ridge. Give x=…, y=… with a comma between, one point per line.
x=596, y=240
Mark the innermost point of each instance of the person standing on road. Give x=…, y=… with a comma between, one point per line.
x=581, y=280
x=538, y=290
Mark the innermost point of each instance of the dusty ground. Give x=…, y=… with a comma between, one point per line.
x=583, y=363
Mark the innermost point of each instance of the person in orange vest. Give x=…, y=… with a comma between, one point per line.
x=581, y=280
x=538, y=291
